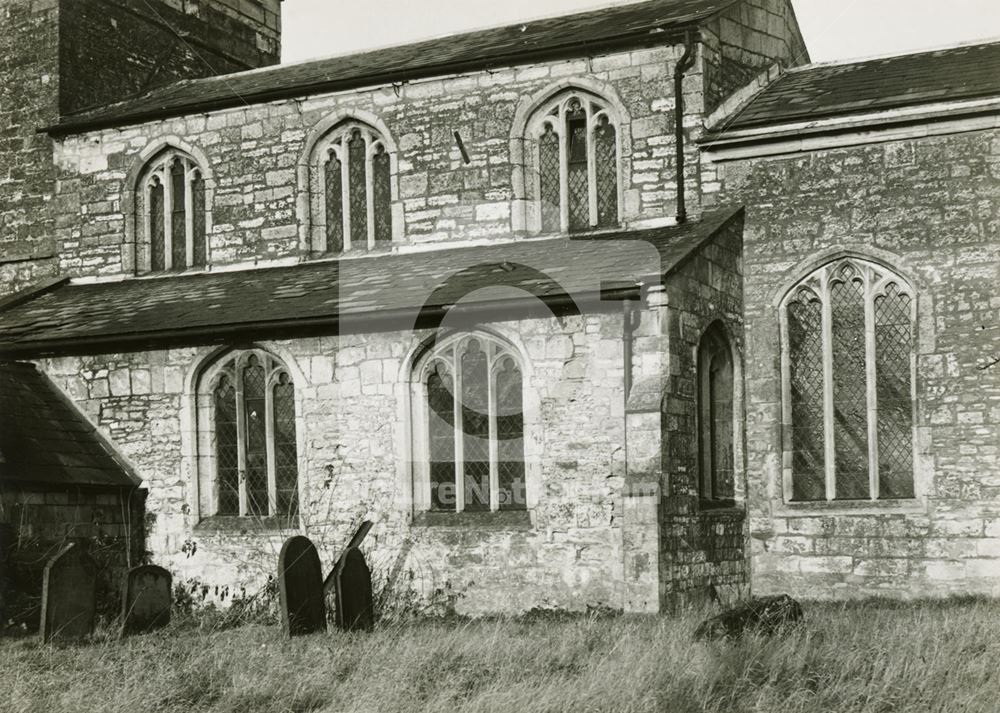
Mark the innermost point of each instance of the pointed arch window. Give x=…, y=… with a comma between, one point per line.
x=255, y=451
x=473, y=413
x=716, y=417
x=172, y=214
x=355, y=179
x=848, y=373
x=575, y=144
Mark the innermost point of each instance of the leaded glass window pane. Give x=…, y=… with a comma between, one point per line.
x=441, y=427
x=178, y=216
x=579, y=191
x=548, y=164
x=485, y=446
x=850, y=392
x=157, y=241
x=333, y=178
x=226, y=447
x=893, y=346
x=720, y=388
x=866, y=345
x=476, y=426
x=382, y=196
x=358, y=190
x=510, y=436
x=606, y=172
x=805, y=352
x=255, y=415
x=200, y=244
x=285, y=450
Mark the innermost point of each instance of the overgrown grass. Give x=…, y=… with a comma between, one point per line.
x=876, y=657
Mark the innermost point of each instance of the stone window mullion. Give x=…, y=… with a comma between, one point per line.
x=564, y=139
x=345, y=188
x=189, y=177
x=168, y=218
x=272, y=469
x=591, y=164
x=369, y=189
x=870, y=382
x=241, y=437
x=493, y=359
x=829, y=446
x=459, y=432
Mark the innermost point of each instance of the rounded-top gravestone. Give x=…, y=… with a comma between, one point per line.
x=146, y=599
x=300, y=583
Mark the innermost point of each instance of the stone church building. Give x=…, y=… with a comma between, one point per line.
x=600, y=310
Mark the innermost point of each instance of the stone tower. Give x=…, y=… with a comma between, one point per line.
x=59, y=57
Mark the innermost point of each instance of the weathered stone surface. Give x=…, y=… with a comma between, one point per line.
x=146, y=599
x=300, y=582
x=766, y=615
x=69, y=595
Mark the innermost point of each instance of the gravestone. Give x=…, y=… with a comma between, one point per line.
x=146, y=599
x=352, y=581
x=69, y=595
x=7, y=540
x=763, y=615
x=300, y=583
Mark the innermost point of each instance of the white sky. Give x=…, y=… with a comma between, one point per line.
x=833, y=29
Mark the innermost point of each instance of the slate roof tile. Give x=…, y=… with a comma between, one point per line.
x=43, y=439
x=821, y=91
x=348, y=293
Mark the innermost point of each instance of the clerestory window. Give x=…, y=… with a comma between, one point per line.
x=574, y=143
x=354, y=178
x=172, y=221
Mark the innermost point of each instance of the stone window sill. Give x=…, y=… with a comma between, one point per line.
x=849, y=507
x=243, y=525
x=501, y=520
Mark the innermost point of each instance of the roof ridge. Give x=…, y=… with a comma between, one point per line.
x=985, y=42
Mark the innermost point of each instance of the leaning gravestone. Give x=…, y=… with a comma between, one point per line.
x=300, y=583
x=352, y=581
x=146, y=599
x=69, y=595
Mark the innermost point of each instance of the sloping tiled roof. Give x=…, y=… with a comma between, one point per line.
x=822, y=91
x=365, y=294
x=571, y=35
x=43, y=439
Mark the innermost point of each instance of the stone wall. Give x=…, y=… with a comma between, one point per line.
x=63, y=55
x=929, y=207
x=354, y=463
x=257, y=159
x=701, y=547
x=29, y=88
x=110, y=50
x=744, y=41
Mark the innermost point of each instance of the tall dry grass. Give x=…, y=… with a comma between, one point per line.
x=874, y=657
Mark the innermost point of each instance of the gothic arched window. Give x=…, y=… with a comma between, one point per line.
x=848, y=374
x=473, y=413
x=574, y=143
x=715, y=416
x=252, y=406
x=172, y=221
x=354, y=179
